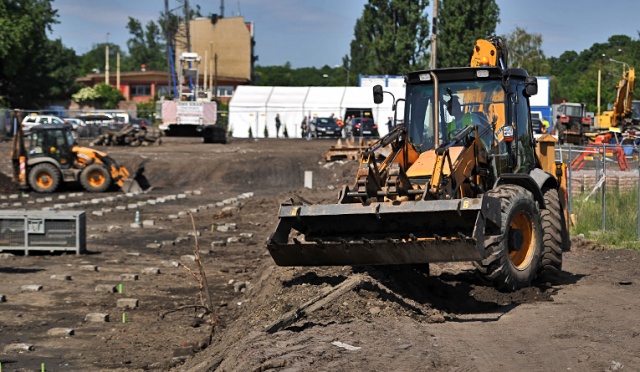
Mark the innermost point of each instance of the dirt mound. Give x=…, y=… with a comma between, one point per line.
x=6, y=184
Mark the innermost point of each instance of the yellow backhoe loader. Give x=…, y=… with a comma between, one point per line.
x=54, y=157
x=466, y=181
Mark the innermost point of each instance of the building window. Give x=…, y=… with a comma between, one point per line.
x=225, y=91
x=140, y=90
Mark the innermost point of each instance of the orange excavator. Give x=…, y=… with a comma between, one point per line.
x=54, y=157
x=465, y=180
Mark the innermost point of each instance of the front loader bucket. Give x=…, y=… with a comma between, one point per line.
x=409, y=232
x=137, y=182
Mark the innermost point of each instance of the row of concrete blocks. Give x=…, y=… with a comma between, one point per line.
x=221, y=204
x=95, y=201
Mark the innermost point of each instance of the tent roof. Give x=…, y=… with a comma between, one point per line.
x=329, y=97
x=288, y=96
x=250, y=96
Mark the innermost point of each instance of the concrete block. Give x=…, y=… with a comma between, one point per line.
x=135, y=225
x=133, y=254
x=107, y=210
x=197, y=192
x=129, y=277
x=181, y=196
x=194, y=210
x=48, y=198
x=127, y=303
x=85, y=202
x=148, y=223
x=113, y=228
x=96, y=201
x=16, y=204
x=40, y=200
x=151, y=202
x=106, y=288
x=88, y=267
x=6, y=256
x=61, y=332
x=188, y=257
x=97, y=317
x=129, y=195
x=246, y=235
x=132, y=206
x=218, y=243
x=173, y=217
x=182, y=214
x=141, y=203
x=98, y=213
x=17, y=348
x=154, y=245
x=61, y=277
x=233, y=239
x=121, y=208
x=151, y=271
x=168, y=242
x=31, y=288
x=62, y=197
x=72, y=195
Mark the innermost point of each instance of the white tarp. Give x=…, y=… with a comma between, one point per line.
x=256, y=107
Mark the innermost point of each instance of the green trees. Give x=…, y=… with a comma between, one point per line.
x=102, y=96
x=525, y=51
x=146, y=46
x=460, y=24
x=33, y=68
x=391, y=37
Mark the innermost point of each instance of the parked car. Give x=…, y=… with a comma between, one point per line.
x=75, y=123
x=537, y=126
x=32, y=120
x=326, y=127
x=139, y=123
x=364, y=127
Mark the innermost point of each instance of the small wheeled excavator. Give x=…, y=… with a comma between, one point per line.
x=53, y=157
x=465, y=181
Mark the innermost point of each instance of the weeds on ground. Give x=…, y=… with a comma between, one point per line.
x=204, y=296
x=621, y=222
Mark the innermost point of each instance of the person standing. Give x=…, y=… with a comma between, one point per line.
x=390, y=124
x=304, y=127
x=278, y=124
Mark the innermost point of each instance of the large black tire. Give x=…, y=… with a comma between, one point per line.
x=44, y=177
x=554, y=230
x=513, y=259
x=95, y=178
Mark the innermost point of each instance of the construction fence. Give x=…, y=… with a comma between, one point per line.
x=604, y=190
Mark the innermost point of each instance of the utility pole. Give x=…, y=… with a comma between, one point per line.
x=106, y=61
x=221, y=8
x=434, y=30
x=215, y=63
x=169, y=41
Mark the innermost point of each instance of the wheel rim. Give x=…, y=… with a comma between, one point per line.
x=44, y=180
x=521, y=241
x=96, y=178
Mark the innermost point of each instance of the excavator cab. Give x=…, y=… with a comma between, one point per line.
x=52, y=141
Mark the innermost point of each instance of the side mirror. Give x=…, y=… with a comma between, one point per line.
x=377, y=94
x=531, y=86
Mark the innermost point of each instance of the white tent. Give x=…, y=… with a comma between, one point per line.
x=256, y=107
x=323, y=101
x=247, y=109
x=286, y=101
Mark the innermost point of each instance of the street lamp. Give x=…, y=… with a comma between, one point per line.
x=622, y=63
x=346, y=69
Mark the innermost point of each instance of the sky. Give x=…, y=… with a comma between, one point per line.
x=314, y=33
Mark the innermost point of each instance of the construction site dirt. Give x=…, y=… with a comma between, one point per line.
x=130, y=303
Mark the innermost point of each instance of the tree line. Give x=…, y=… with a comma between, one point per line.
x=391, y=37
